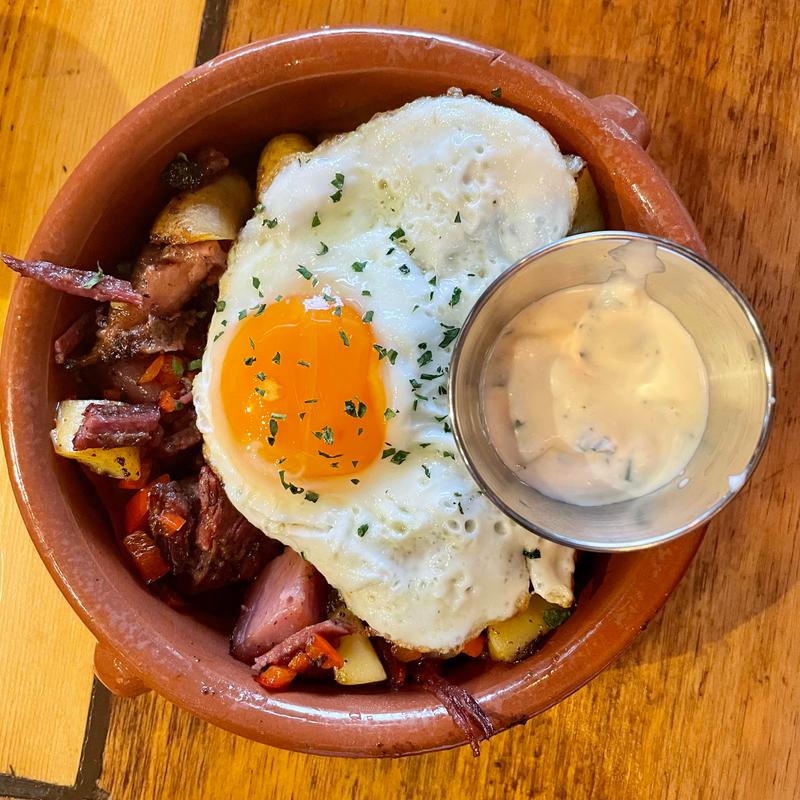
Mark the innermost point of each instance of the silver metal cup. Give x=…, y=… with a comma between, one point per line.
x=741, y=393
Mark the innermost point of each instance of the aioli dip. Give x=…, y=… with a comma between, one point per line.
x=596, y=393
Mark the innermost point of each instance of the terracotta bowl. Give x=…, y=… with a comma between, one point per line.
x=328, y=80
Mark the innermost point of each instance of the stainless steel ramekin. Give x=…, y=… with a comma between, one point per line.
x=741, y=393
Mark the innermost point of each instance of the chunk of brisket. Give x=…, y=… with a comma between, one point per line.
x=113, y=424
x=288, y=596
x=82, y=283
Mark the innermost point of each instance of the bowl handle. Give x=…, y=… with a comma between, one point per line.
x=624, y=113
x=115, y=673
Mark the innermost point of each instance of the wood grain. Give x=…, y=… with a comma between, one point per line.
x=705, y=704
x=68, y=72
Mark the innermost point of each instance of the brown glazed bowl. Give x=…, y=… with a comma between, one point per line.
x=328, y=80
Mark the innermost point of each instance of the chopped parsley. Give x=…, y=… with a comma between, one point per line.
x=220, y=306
x=304, y=272
x=243, y=313
x=355, y=409
x=261, y=376
x=458, y=217
x=289, y=486
x=425, y=358
x=256, y=282
x=397, y=233
x=355, y=481
x=553, y=617
x=535, y=553
x=92, y=280
x=497, y=92
x=323, y=248
x=249, y=361
x=260, y=392
x=315, y=223
x=277, y=357
x=273, y=427
x=343, y=337
x=389, y=413
x=400, y=456
x=366, y=293
x=326, y=434
x=368, y=316
x=404, y=269
x=312, y=497
x=456, y=296
x=327, y=455
x=450, y=333
x=448, y=454
x=303, y=363
x=426, y=470
x=362, y=529
x=270, y=223
x=338, y=184
x=389, y=451
x=358, y=266
x=195, y=364
x=177, y=366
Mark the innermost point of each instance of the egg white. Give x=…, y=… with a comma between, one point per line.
x=438, y=198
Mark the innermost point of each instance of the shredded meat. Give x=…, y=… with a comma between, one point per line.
x=220, y=546
x=113, y=424
x=169, y=276
x=82, y=283
x=395, y=668
x=282, y=653
x=73, y=337
x=288, y=596
x=185, y=174
x=183, y=432
x=124, y=375
x=462, y=707
x=128, y=332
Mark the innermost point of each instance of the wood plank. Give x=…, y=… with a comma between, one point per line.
x=68, y=72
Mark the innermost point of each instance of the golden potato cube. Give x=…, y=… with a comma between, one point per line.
x=118, y=462
x=361, y=662
x=588, y=212
x=277, y=151
x=509, y=639
x=214, y=212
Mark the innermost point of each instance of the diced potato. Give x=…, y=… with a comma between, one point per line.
x=215, y=211
x=509, y=639
x=588, y=212
x=118, y=462
x=361, y=662
x=275, y=154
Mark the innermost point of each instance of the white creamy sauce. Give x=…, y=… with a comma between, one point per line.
x=596, y=393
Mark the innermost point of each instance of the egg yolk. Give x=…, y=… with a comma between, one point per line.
x=301, y=381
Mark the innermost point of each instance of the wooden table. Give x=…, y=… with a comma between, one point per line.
x=706, y=703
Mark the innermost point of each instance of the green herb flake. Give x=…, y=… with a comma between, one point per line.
x=303, y=363
x=195, y=364
x=497, y=92
x=258, y=208
x=368, y=316
x=389, y=451
x=362, y=529
x=273, y=427
x=310, y=401
x=456, y=296
x=256, y=282
x=553, y=617
x=366, y=293
x=338, y=184
x=261, y=376
x=177, y=367
x=358, y=266
x=400, y=456
x=220, y=305
x=304, y=272
x=355, y=409
x=323, y=248
x=326, y=435
x=343, y=337
x=535, y=553
x=448, y=454
x=355, y=481
x=312, y=497
x=425, y=358
x=426, y=470
x=270, y=223
x=260, y=310
x=277, y=358
x=243, y=313
x=458, y=217
x=90, y=281
x=397, y=233
x=249, y=361
x=315, y=223
x=389, y=414
x=260, y=392
x=404, y=269
x=450, y=333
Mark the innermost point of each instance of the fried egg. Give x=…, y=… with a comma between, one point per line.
x=322, y=398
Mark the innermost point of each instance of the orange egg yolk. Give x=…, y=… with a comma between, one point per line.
x=302, y=381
